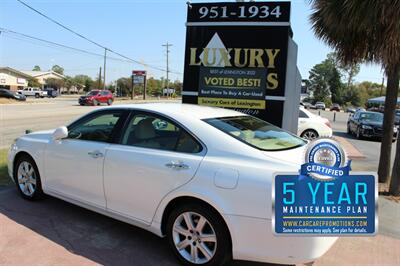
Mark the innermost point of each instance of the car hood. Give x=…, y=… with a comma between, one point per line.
x=372, y=123
x=43, y=134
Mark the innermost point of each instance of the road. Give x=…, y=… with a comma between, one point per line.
x=53, y=232
x=369, y=148
x=40, y=114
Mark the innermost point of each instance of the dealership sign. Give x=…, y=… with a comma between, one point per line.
x=241, y=56
x=324, y=197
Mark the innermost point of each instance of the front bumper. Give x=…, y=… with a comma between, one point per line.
x=253, y=240
x=85, y=101
x=374, y=133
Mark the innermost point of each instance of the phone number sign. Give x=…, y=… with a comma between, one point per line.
x=307, y=206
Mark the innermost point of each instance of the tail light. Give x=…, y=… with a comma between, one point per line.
x=328, y=123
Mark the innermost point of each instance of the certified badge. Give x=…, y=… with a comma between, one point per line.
x=325, y=160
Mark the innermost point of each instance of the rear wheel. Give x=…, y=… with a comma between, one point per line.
x=348, y=129
x=27, y=178
x=198, y=236
x=309, y=134
x=37, y=95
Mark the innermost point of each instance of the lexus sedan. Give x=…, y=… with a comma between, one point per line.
x=200, y=176
x=312, y=126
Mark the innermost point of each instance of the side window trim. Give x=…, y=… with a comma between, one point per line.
x=135, y=112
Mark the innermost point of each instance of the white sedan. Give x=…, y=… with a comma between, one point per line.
x=312, y=126
x=200, y=176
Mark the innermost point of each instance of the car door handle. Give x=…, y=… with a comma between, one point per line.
x=177, y=165
x=95, y=154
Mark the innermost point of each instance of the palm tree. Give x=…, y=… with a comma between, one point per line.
x=366, y=31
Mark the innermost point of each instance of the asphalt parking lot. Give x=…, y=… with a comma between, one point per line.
x=53, y=232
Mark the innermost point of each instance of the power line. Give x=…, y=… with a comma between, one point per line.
x=89, y=40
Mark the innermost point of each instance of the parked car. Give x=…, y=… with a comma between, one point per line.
x=320, y=105
x=335, y=107
x=4, y=93
x=97, y=97
x=306, y=105
x=173, y=169
x=36, y=92
x=51, y=93
x=311, y=126
x=350, y=109
x=366, y=124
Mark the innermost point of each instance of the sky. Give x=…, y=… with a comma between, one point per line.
x=135, y=28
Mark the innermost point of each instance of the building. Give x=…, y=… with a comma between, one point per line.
x=41, y=76
x=12, y=79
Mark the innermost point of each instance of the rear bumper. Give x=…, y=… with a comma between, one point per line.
x=253, y=240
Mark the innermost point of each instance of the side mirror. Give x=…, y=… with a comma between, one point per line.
x=60, y=133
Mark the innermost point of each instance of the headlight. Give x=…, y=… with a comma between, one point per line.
x=366, y=127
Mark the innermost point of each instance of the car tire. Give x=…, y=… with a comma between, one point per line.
x=27, y=178
x=109, y=102
x=95, y=102
x=309, y=134
x=348, y=129
x=37, y=95
x=191, y=243
x=359, y=134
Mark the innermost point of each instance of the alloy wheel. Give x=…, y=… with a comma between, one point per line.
x=310, y=135
x=194, y=238
x=26, y=177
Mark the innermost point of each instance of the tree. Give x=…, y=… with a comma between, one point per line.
x=32, y=82
x=55, y=83
x=36, y=68
x=325, y=81
x=82, y=82
x=366, y=31
x=58, y=69
x=125, y=86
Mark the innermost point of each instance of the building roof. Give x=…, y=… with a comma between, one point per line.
x=381, y=100
x=36, y=74
x=21, y=73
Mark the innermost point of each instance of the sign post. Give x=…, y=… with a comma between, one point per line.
x=242, y=56
x=139, y=78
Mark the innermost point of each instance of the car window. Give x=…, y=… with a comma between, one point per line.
x=303, y=114
x=104, y=93
x=155, y=132
x=256, y=132
x=96, y=128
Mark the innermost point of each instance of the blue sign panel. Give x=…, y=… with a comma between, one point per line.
x=304, y=205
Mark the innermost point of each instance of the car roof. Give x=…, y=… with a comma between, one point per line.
x=182, y=109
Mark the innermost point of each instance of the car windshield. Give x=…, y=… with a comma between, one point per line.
x=92, y=93
x=256, y=132
x=374, y=117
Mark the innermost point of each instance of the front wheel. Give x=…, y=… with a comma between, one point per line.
x=27, y=178
x=109, y=102
x=309, y=134
x=198, y=236
x=359, y=135
x=37, y=95
x=95, y=102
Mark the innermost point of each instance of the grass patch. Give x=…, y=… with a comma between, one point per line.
x=4, y=179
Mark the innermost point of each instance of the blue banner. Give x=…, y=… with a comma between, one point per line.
x=342, y=206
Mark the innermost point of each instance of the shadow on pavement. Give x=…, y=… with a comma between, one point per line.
x=96, y=237
x=349, y=136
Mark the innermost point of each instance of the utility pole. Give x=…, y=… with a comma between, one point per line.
x=104, y=76
x=100, y=78
x=167, y=45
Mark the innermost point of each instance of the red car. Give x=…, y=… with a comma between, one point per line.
x=96, y=97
